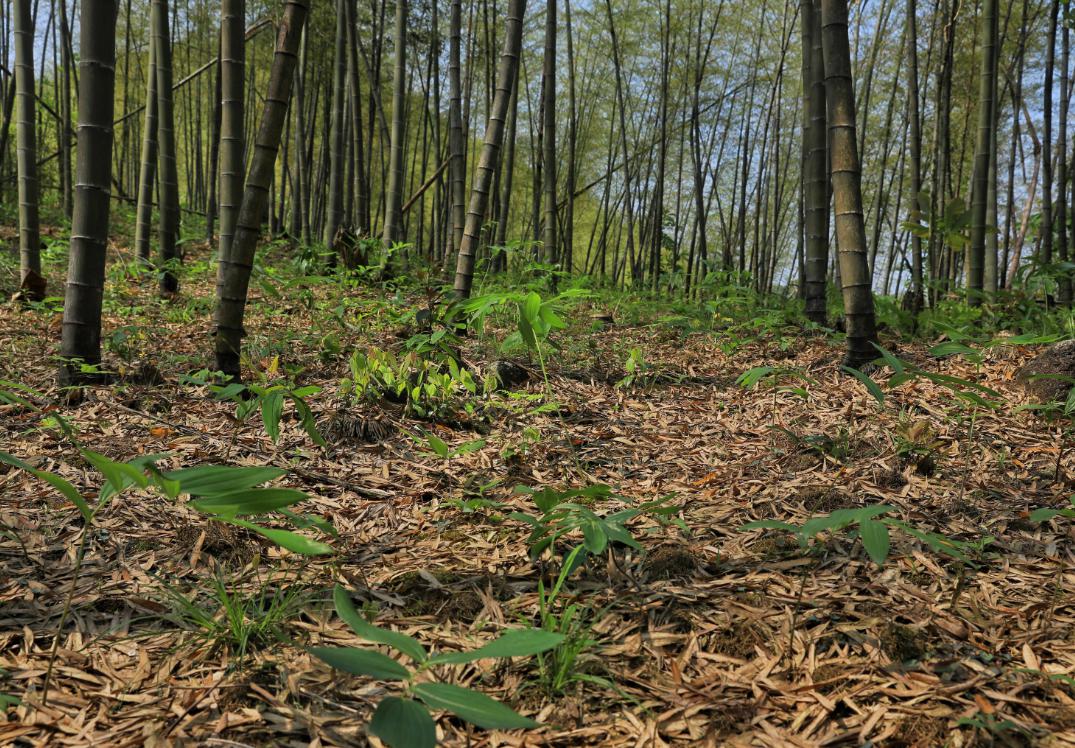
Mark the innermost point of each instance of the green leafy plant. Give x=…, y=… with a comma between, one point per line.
x=563, y=512
x=268, y=399
x=427, y=389
x=437, y=446
x=229, y=618
x=535, y=318
x=778, y=379
x=224, y=493
x=869, y=525
x=1044, y=515
x=405, y=721
x=559, y=667
x=636, y=370
x=521, y=447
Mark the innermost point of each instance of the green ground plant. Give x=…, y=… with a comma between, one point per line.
x=405, y=721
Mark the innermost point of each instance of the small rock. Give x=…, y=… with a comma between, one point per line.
x=1049, y=376
x=510, y=375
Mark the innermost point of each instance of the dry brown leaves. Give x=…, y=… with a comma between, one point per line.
x=719, y=638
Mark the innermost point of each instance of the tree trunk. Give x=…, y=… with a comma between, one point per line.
x=548, y=76
x=234, y=279
x=915, y=124
x=1047, y=139
x=494, y=137
x=986, y=105
x=81, y=337
x=337, y=151
x=31, y=282
x=168, y=232
x=1064, y=276
x=232, y=120
x=147, y=179
x=572, y=145
x=847, y=185
x=457, y=167
x=393, y=215
x=66, y=136
x=816, y=182
x=362, y=194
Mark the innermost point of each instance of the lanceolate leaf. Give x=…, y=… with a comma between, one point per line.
x=250, y=501
x=401, y=642
x=69, y=491
x=474, y=707
x=210, y=480
x=272, y=407
x=515, y=643
x=403, y=723
x=875, y=539
x=291, y=541
x=362, y=662
x=871, y=386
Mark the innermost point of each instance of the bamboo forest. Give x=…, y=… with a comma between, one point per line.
x=484, y=373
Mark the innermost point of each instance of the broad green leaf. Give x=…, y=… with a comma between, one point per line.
x=438, y=445
x=875, y=539
x=618, y=534
x=514, y=643
x=751, y=377
x=229, y=392
x=594, y=537
x=403, y=723
x=117, y=474
x=952, y=348
x=209, y=480
x=468, y=447
x=526, y=332
x=309, y=423
x=362, y=662
x=890, y=359
x=250, y=501
x=345, y=609
x=272, y=408
x=531, y=306
x=306, y=521
x=64, y=487
x=286, y=539
x=474, y=707
x=1042, y=515
x=871, y=386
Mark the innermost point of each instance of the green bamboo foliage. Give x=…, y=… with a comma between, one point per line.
x=232, y=135
x=31, y=282
x=81, y=337
x=167, y=172
x=490, y=155
x=148, y=172
x=234, y=278
x=847, y=185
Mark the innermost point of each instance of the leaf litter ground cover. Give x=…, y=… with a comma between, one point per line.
x=717, y=636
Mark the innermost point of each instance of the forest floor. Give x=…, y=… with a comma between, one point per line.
x=715, y=636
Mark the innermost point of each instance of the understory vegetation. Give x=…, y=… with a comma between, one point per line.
x=593, y=515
